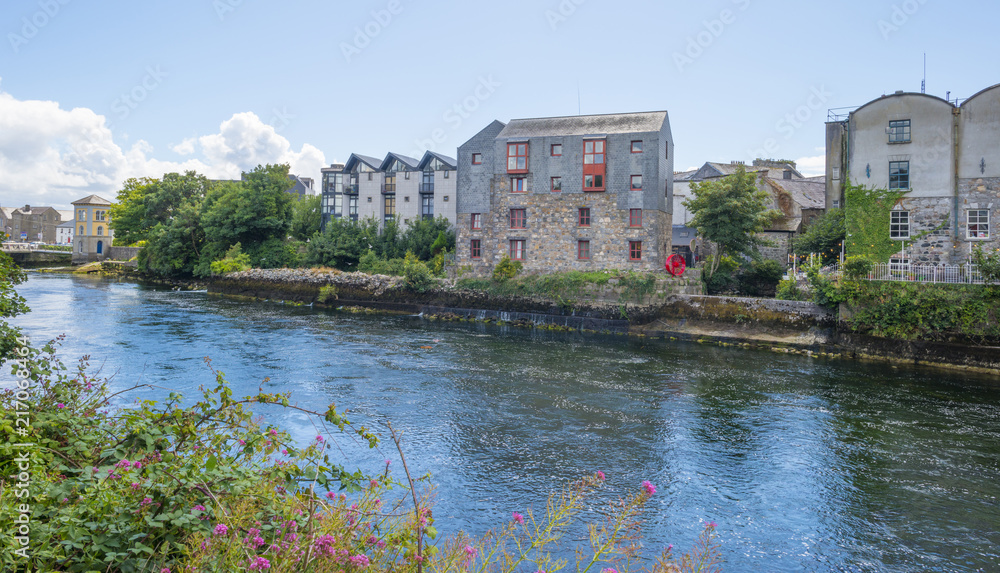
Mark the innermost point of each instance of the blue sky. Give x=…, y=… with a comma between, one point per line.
x=92, y=93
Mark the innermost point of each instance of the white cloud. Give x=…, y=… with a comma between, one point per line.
x=811, y=166
x=52, y=156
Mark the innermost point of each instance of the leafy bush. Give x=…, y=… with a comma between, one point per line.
x=235, y=261
x=760, y=278
x=723, y=280
x=987, y=263
x=327, y=293
x=416, y=273
x=857, y=266
x=823, y=237
x=373, y=264
x=825, y=291
x=506, y=269
x=789, y=290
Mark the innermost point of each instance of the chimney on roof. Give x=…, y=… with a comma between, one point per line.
x=27, y=208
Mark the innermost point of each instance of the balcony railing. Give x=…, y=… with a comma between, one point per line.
x=389, y=188
x=351, y=189
x=426, y=187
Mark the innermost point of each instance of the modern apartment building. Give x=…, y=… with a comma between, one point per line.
x=944, y=155
x=567, y=193
x=397, y=188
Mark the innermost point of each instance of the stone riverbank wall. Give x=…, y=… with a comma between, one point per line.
x=668, y=312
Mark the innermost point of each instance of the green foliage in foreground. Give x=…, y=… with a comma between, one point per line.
x=235, y=261
x=565, y=286
x=11, y=305
x=345, y=243
x=154, y=487
x=823, y=237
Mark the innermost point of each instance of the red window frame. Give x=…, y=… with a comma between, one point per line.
x=583, y=217
x=477, y=158
x=635, y=217
x=635, y=183
x=594, y=171
x=517, y=157
x=518, y=184
x=476, y=221
x=556, y=181
x=556, y=150
x=518, y=219
x=476, y=249
x=637, y=146
x=635, y=250
x=517, y=249
x=583, y=250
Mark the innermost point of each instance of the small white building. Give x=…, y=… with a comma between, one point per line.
x=64, y=232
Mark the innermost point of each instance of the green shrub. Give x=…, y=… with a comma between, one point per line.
x=327, y=293
x=789, y=290
x=760, y=278
x=856, y=267
x=373, y=264
x=723, y=280
x=506, y=269
x=416, y=273
x=987, y=263
x=235, y=261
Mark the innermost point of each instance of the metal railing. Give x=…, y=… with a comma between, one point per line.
x=426, y=187
x=947, y=274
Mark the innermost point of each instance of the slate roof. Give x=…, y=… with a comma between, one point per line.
x=584, y=125
x=684, y=175
x=405, y=159
x=92, y=200
x=808, y=194
x=428, y=155
x=67, y=224
x=372, y=162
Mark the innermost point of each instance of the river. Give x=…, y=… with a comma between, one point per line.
x=805, y=464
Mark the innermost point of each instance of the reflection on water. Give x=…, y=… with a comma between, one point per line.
x=806, y=465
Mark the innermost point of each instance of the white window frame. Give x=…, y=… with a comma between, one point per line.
x=979, y=223
x=903, y=232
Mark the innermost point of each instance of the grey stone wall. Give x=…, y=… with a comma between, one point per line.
x=782, y=247
x=930, y=241
x=979, y=193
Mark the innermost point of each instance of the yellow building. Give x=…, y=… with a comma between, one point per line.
x=93, y=234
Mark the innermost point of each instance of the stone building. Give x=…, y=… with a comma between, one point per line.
x=33, y=224
x=397, y=187
x=567, y=193
x=93, y=236
x=943, y=155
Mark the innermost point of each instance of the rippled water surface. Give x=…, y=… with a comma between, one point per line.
x=806, y=464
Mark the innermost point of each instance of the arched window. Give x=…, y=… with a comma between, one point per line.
x=79, y=247
x=100, y=231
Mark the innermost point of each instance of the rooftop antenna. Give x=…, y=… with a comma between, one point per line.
x=923, y=82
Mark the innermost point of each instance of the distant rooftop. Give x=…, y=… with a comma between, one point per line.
x=585, y=125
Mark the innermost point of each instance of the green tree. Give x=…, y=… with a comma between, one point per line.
x=824, y=236
x=421, y=237
x=306, y=217
x=142, y=204
x=128, y=213
x=11, y=305
x=730, y=213
x=342, y=243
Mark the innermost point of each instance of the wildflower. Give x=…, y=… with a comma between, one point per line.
x=60, y=405
x=600, y=475
x=198, y=507
x=380, y=544
x=330, y=495
x=165, y=570
x=387, y=462
x=145, y=501
x=65, y=499
x=360, y=560
x=343, y=497
x=319, y=439
x=259, y=564
x=669, y=547
x=285, y=452
x=135, y=485
x=518, y=518
x=609, y=570
x=713, y=524
x=274, y=432
x=137, y=466
x=242, y=442
x=471, y=551
x=371, y=540
x=650, y=488
x=221, y=529
x=372, y=483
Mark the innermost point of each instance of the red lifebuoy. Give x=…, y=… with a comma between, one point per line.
x=675, y=265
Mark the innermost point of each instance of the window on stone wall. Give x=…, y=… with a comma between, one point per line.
x=518, y=185
x=636, y=183
x=636, y=147
x=517, y=158
x=635, y=217
x=476, y=221
x=517, y=249
x=899, y=175
x=477, y=158
x=476, y=249
x=899, y=131
x=979, y=224
x=518, y=219
x=556, y=149
x=556, y=184
x=899, y=225
x=583, y=250
x=635, y=250
x=583, y=219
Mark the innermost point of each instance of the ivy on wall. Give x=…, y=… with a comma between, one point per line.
x=868, y=212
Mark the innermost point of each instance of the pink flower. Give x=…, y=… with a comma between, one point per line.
x=669, y=547
x=242, y=442
x=60, y=405
x=372, y=483
x=198, y=507
x=650, y=488
x=471, y=551
x=330, y=495
x=284, y=452
x=518, y=518
x=145, y=501
x=712, y=524
x=259, y=564
x=135, y=485
x=600, y=475
x=123, y=464
x=319, y=439
x=137, y=465
x=165, y=570
x=274, y=432
x=220, y=529
x=609, y=570
x=360, y=560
